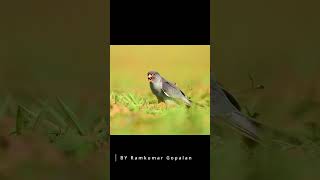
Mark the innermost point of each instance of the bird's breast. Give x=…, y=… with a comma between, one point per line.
x=156, y=87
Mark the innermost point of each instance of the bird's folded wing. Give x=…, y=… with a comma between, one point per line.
x=171, y=90
x=243, y=124
x=233, y=100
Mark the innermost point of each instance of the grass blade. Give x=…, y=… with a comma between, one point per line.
x=19, y=121
x=58, y=118
x=37, y=121
x=4, y=107
x=73, y=120
x=29, y=112
x=24, y=116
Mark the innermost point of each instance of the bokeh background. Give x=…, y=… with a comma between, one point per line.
x=60, y=48
x=48, y=50
x=277, y=42
x=183, y=64
x=135, y=110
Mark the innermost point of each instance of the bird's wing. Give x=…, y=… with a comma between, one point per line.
x=171, y=90
x=225, y=107
x=243, y=124
x=221, y=102
x=233, y=100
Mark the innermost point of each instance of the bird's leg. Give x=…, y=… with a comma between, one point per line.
x=160, y=100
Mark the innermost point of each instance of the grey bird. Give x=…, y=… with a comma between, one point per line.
x=226, y=107
x=166, y=91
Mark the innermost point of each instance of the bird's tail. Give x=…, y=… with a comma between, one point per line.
x=244, y=124
x=187, y=101
x=249, y=128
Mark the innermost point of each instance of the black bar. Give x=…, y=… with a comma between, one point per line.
x=160, y=22
x=173, y=146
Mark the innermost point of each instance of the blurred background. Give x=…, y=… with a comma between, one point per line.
x=51, y=49
x=48, y=50
x=184, y=65
x=135, y=110
x=278, y=43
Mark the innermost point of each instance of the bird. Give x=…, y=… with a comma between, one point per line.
x=227, y=108
x=166, y=91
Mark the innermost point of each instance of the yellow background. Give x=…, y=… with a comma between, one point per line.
x=184, y=65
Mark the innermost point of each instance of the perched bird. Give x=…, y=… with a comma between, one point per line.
x=166, y=91
x=226, y=107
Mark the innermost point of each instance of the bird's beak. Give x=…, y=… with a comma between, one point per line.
x=149, y=77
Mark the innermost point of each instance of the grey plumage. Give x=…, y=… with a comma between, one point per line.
x=225, y=107
x=164, y=90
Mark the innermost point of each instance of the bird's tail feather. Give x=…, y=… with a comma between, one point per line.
x=249, y=128
x=245, y=125
x=187, y=101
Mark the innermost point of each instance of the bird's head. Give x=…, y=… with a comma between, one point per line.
x=154, y=77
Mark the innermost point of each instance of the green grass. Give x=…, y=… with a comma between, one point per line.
x=132, y=113
x=54, y=133
x=56, y=121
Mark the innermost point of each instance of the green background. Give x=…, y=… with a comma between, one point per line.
x=51, y=49
x=276, y=41
x=45, y=51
